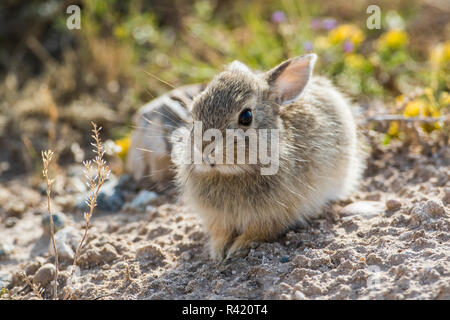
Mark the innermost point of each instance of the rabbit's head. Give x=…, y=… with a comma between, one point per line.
x=239, y=98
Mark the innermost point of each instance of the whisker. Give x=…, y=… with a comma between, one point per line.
x=169, y=118
x=146, y=150
x=165, y=82
x=154, y=123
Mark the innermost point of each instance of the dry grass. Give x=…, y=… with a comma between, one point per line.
x=47, y=157
x=97, y=172
x=37, y=291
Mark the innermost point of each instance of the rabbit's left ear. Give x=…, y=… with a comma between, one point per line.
x=288, y=79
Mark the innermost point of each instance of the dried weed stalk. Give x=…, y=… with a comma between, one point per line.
x=47, y=157
x=97, y=172
x=37, y=291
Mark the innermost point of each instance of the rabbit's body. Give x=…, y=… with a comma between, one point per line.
x=319, y=160
x=150, y=148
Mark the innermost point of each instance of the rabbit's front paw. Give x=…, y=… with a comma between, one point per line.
x=240, y=247
x=217, y=246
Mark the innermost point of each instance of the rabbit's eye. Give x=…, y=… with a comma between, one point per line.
x=246, y=117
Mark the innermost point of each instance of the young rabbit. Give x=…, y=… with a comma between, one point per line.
x=319, y=153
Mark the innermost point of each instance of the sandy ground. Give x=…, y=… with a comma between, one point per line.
x=389, y=241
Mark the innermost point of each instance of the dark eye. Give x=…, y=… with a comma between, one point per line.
x=246, y=117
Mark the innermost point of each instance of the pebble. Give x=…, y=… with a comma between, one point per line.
x=99, y=255
x=5, y=249
x=364, y=209
x=425, y=210
x=434, y=208
x=142, y=200
x=44, y=275
x=11, y=222
x=59, y=221
x=32, y=267
x=284, y=259
x=393, y=205
x=5, y=280
x=185, y=256
x=15, y=208
x=299, y=295
x=67, y=240
x=446, y=196
x=110, y=197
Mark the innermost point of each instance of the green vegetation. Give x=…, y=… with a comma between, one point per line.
x=404, y=65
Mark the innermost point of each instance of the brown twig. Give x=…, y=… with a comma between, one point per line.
x=395, y=117
x=46, y=160
x=36, y=292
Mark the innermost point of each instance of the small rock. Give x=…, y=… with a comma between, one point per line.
x=5, y=249
x=364, y=209
x=99, y=255
x=32, y=267
x=434, y=208
x=11, y=222
x=284, y=259
x=66, y=240
x=126, y=182
x=59, y=221
x=142, y=200
x=111, y=200
x=285, y=296
x=393, y=205
x=185, y=256
x=5, y=280
x=15, y=208
x=403, y=283
x=110, y=197
x=44, y=275
x=299, y=295
x=426, y=210
x=446, y=196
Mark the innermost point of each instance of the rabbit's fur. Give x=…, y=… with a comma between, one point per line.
x=320, y=155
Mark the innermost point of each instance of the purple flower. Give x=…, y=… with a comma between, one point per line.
x=329, y=23
x=278, y=17
x=348, y=46
x=308, y=46
x=315, y=24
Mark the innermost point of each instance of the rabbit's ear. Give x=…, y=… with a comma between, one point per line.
x=238, y=66
x=288, y=79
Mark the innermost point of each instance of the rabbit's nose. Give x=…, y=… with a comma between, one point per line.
x=208, y=160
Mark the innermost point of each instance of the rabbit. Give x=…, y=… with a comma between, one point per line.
x=320, y=154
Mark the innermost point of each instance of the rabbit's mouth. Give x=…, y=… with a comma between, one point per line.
x=225, y=169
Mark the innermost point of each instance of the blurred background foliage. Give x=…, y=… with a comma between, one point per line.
x=54, y=81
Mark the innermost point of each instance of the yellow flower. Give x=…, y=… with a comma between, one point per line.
x=444, y=99
x=417, y=108
x=322, y=43
x=346, y=32
x=399, y=99
x=355, y=61
x=394, y=39
x=413, y=108
x=440, y=54
x=124, y=145
x=120, y=32
x=393, y=129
